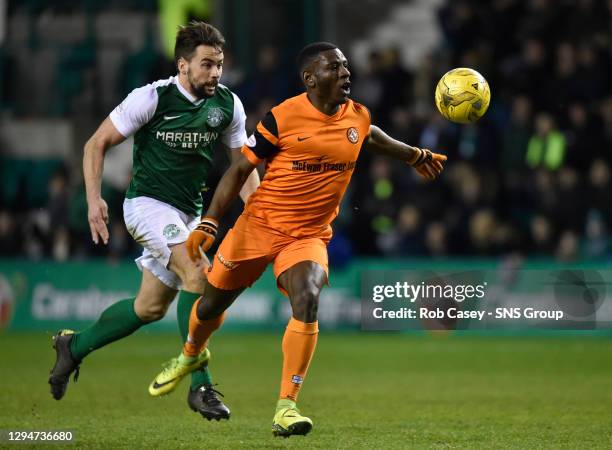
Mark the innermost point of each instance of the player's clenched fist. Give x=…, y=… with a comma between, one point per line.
x=202, y=237
x=427, y=164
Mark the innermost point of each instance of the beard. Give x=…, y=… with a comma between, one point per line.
x=199, y=89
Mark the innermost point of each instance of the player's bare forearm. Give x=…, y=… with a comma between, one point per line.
x=93, y=156
x=381, y=143
x=93, y=166
x=251, y=183
x=428, y=164
x=202, y=237
x=230, y=185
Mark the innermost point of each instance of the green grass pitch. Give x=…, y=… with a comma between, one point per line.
x=363, y=391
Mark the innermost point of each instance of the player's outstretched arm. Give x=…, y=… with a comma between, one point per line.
x=427, y=164
x=105, y=137
x=203, y=236
x=251, y=183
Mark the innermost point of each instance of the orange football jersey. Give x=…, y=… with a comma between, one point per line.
x=310, y=158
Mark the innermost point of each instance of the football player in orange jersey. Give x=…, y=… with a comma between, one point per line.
x=310, y=144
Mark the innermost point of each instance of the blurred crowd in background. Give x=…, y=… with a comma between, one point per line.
x=532, y=178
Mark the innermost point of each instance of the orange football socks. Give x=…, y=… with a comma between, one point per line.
x=200, y=331
x=299, y=344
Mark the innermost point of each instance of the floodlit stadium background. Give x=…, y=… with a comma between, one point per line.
x=530, y=179
x=528, y=186
x=529, y=182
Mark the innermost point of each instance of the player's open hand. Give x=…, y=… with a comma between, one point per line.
x=97, y=216
x=202, y=238
x=428, y=164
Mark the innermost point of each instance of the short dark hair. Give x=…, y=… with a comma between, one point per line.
x=193, y=35
x=310, y=52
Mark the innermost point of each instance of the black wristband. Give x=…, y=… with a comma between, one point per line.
x=208, y=226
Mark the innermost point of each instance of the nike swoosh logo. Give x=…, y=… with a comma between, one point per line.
x=172, y=117
x=157, y=385
x=300, y=139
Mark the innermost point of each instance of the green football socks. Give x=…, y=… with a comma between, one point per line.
x=117, y=321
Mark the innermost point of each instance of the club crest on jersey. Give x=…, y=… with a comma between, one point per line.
x=214, y=117
x=171, y=231
x=353, y=135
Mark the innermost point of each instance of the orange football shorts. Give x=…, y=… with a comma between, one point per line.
x=250, y=246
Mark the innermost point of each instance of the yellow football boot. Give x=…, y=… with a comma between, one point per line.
x=288, y=422
x=174, y=371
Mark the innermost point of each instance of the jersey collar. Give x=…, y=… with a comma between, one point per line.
x=322, y=115
x=186, y=94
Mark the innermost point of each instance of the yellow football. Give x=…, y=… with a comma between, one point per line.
x=463, y=95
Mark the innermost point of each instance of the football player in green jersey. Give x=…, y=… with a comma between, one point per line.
x=176, y=124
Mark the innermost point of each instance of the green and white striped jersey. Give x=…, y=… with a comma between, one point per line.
x=174, y=137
